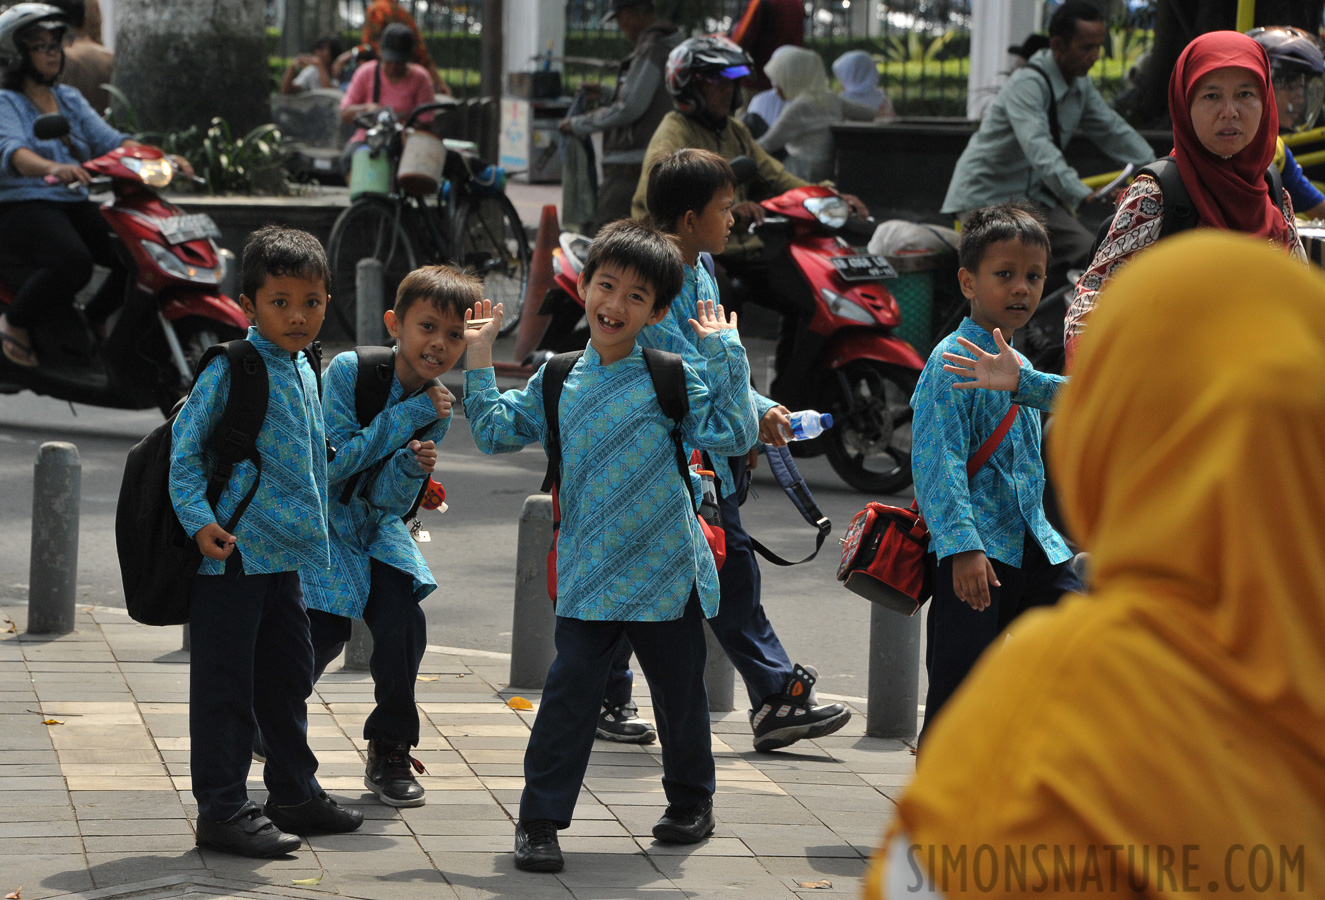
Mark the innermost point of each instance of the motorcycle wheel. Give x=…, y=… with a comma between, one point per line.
x=490, y=241
x=869, y=445
x=195, y=335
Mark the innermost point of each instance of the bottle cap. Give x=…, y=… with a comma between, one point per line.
x=826, y=420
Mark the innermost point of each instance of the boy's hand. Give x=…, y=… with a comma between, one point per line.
x=972, y=574
x=425, y=454
x=775, y=426
x=709, y=319
x=214, y=542
x=1001, y=372
x=481, y=326
x=442, y=400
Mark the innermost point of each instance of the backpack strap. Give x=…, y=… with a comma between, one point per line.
x=1275, y=180
x=667, y=371
x=784, y=469
x=236, y=436
x=555, y=371
x=1055, y=131
x=991, y=443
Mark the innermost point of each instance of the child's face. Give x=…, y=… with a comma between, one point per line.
x=618, y=304
x=288, y=310
x=428, y=342
x=710, y=226
x=1005, y=289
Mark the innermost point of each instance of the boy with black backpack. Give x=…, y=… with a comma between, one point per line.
x=385, y=413
x=251, y=652
x=632, y=558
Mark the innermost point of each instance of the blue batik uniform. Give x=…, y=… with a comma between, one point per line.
x=630, y=547
x=369, y=526
x=247, y=621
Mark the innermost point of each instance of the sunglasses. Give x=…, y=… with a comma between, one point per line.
x=45, y=47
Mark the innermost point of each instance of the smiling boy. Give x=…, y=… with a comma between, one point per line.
x=631, y=558
x=377, y=572
x=994, y=553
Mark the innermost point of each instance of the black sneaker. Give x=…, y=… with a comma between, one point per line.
x=536, y=847
x=390, y=774
x=246, y=833
x=321, y=815
x=623, y=724
x=791, y=716
x=685, y=824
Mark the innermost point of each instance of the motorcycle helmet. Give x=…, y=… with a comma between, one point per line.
x=1297, y=70
x=18, y=19
x=708, y=56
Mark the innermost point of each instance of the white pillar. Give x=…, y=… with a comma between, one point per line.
x=529, y=25
x=108, y=24
x=995, y=26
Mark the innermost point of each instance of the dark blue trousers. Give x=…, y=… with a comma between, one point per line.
x=672, y=657
x=251, y=656
x=741, y=626
x=400, y=637
x=957, y=634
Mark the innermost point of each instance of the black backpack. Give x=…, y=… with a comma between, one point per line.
x=1179, y=213
x=372, y=388
x=157, y=559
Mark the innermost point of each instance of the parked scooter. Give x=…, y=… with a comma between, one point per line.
x=173, y=307
x=841, y=357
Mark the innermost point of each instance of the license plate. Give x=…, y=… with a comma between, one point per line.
x=192, y=227
x=863, y=268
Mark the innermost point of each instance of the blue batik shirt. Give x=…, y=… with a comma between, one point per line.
x=369, y=526
x=284, y=529
x=630, y=547
x=1005, y=498
x=89, y=137
x=674, y=333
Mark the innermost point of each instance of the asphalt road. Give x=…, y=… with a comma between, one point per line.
x=472, y=552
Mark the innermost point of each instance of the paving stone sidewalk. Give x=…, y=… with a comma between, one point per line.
x=95, y=801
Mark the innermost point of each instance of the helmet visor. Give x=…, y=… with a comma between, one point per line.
x=1299, y=95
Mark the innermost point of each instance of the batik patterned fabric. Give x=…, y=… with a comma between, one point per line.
x=369, y=525
x=675, y=335
x=630, y=548
x=284, y=529
x=1136, y=225
x=993, y=510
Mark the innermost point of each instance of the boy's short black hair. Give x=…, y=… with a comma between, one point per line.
x=644, y=250
x=1063, y=23
x=685, y=180
x=1005, y=222
x=275, y=251
x=451, y=292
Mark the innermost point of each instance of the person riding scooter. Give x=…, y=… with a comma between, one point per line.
x=1297, y=70
x=52, y=232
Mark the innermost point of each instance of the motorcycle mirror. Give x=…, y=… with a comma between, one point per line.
x=50, y=127
x=746, y=169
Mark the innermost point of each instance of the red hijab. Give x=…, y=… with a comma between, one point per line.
x=1227, y=193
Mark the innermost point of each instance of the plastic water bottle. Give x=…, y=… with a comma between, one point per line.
x=809, y=423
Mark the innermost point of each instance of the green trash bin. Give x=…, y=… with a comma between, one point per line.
x=913, y=289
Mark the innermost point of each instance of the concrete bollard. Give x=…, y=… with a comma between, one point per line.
x=359, y=648
x=535, y=618
x=369, y=304
x=719, y=675
x=53, y=567
x=894, y=689
x=187, y=644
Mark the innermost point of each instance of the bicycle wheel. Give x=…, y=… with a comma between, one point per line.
x=490, y=240
x=368, y=229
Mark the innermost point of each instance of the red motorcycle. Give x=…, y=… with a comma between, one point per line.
x=173, y=308
x=837, y=352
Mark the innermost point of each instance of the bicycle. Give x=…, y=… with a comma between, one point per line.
x=469, y=223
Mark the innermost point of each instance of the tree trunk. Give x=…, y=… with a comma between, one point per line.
x=305, y=22
x=184, y=62
x=1178, y=21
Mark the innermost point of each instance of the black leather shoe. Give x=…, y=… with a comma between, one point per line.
x=390, y=774
x=536, y=847
x=321, y=815
x=247, y=833
x=685, y=824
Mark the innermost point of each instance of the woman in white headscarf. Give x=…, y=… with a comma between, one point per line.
x=803, y=128
x=859, y=76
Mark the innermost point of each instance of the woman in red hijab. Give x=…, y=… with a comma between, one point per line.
x=1224, y=126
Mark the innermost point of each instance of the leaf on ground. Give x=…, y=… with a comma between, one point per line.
x=427, y=678
x=12, y=629
x=50, y=722
x=815, y=885
x=14, y=895
x=519, y=703
x=316, y=879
